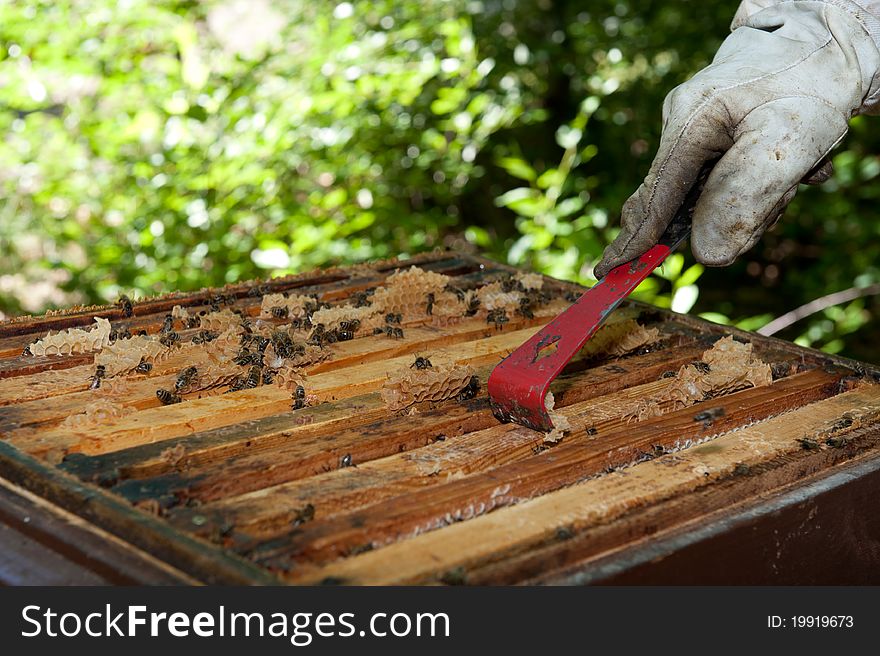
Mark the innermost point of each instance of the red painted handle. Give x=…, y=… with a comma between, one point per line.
x=518, y=385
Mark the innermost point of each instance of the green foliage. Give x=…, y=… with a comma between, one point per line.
x=170, y=144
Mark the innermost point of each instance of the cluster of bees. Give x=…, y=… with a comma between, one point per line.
x=345, y=332
x=252, y=352
x=392, y=326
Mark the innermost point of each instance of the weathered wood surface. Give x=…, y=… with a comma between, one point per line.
x=238, y=487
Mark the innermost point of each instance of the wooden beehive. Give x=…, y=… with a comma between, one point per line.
x=240, y=487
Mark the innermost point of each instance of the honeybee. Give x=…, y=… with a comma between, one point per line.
x=391, y=317
x=259, y=290
x=26, y=352
x=299, y=398
x=473, y=306
x=304, y=515
x=100, y=372
x=268, y=376
x=498, y=317
x=185, y=378
x=345, y=461
x=392, y=331
x=429, y=307
x=143, y=367
x=351, y=325
x=246, y=357
x=237, y=384
x=279, y=312
x=702, y=367
x=525, y=308
x=362, y=299
x=281, y=343
x=345, y=335
x=167, y=324
x=459, y=293
x=511, y=284
x=125, y=333
x=470, y=390
x=167, y=398
x=421, y=363
x=193, y=322
x=204, y=336
x=169, y=339
x=125, y=303
x=254, y=376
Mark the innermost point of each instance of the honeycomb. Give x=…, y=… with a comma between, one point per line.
x=74, y=340
x=312, y=355
x=224, y=349
x=406, y=292
x=115, y=386
x=220, y=320
x=124, y=355
x=530, y=281
x=493, y=298
x=620, y=338
x=727, y=367
x=288, y=377
x=295, y=304
x=175, y=456
x=95, y=414
x=448, y=309
x=561, y=424
x=409, y=386
x=179, y=312
x=332, y=317
x=210, y=376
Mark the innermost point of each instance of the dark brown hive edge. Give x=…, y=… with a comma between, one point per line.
x=240, y=488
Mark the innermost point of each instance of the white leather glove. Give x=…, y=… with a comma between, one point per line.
x=775, y=100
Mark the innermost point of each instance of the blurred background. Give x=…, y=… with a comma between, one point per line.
x=150, y=146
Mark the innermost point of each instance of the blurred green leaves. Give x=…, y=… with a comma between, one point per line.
x=175, y=144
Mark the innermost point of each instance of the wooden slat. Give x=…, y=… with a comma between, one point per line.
x=149, y=314
x=43, y=544
x=197, y=558
x=412, y=509
x=449, y=264
x=72, y=384
x=162, y=423
x=518, y=528
x=313, y=440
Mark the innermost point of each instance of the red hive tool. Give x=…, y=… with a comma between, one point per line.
x=519, y=384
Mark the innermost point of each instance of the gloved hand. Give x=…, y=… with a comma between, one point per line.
x=775, y=100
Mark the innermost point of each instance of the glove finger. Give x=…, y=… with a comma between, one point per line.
x=777, y=145
x=691, y=137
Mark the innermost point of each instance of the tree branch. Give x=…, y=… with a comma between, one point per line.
x=817, y=305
